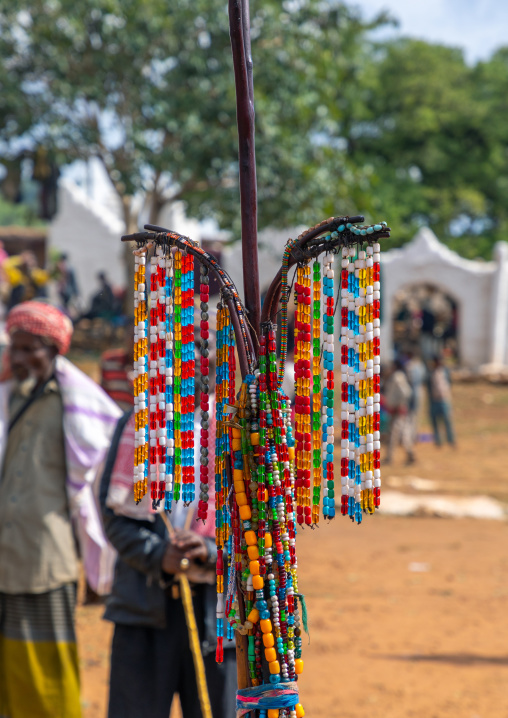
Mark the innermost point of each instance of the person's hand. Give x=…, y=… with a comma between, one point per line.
x=172, y=558
x=191, y=545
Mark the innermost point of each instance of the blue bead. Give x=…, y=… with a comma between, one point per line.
x=275, y=678
x=341, y=228
x=377, y=227
x=363, y=232
x=370, y=230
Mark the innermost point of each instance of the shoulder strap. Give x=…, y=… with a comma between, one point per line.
x=31, y=399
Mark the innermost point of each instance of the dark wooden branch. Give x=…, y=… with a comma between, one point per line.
x=242, y=62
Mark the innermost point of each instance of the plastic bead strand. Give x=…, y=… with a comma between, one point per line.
x=177, y=385
x=188, y=379
x=140, y=375
x=316, y=392
x=170, y=434
x=328, y=387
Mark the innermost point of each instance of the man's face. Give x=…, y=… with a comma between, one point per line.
x=31, y=357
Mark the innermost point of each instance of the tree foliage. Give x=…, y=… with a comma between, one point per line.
x=150, y=92
x=399, y=130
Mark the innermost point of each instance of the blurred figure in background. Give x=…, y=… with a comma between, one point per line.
x=25, y=279
x=398, y=395
x=55, y=428
x=416, y=373
x=117, y=371
x=103, y=304
x=440, y=400
x=151, y=656
x=66, y=284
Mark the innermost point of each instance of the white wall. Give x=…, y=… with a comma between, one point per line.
x=90, y=235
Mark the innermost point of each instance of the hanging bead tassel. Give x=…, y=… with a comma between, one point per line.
x=153, y=395
x=316, y=393
x=140, y=375
x=177, y=386
x=328, y=388
x=170, y=432
x=303, y=435
x=204, y=395
x=188, y=379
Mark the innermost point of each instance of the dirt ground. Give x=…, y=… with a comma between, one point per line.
x=407, y=616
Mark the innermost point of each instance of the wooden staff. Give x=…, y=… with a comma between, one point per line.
x=190, y=619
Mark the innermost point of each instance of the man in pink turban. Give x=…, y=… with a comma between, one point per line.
x=55, y=429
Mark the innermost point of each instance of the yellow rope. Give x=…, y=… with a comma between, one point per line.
x=195, y=646
x=190, y=619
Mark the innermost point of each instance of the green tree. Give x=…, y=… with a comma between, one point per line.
x=437, y=144
x=148, y=89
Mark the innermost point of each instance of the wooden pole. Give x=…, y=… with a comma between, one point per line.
x=239, y=29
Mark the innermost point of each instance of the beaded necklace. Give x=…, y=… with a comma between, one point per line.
x=269, y=476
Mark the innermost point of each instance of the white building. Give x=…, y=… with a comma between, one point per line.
x=479, y=289
x=89, y=232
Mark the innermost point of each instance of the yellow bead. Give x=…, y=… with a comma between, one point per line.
x=254, y=568
x=274, y=667
x=291, y=453
x=258, y=582
x=268, y=540
x=266, y=625
x=253, y=552
x=250, y=538
x=270, y=655
x=299, y=710
x=268, y=640
x=298, y=666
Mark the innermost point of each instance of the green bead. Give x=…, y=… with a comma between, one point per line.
x=331, y=494
x=330, y=484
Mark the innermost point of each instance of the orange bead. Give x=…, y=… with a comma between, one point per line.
x=245, y=512
x=266, y=625
x=273, y=713
x=236, y=444
x=250, y=538
x=254, y=439
x=239, y=487
x=299, y=710
x=298, y=666
x=274, y=667
x=268, y=540
x=236, y=433
x=268, y=640
x=253, y=616
x=241, y=499
x=254, y=567
x=270, y=654
x=237, y=474
x=253, y=552
x=258, y=582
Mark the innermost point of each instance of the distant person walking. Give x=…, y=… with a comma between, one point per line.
x=440, y=400
x=416, y=373
x=398, y=395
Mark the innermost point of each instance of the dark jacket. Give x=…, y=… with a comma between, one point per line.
x=140, y=587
